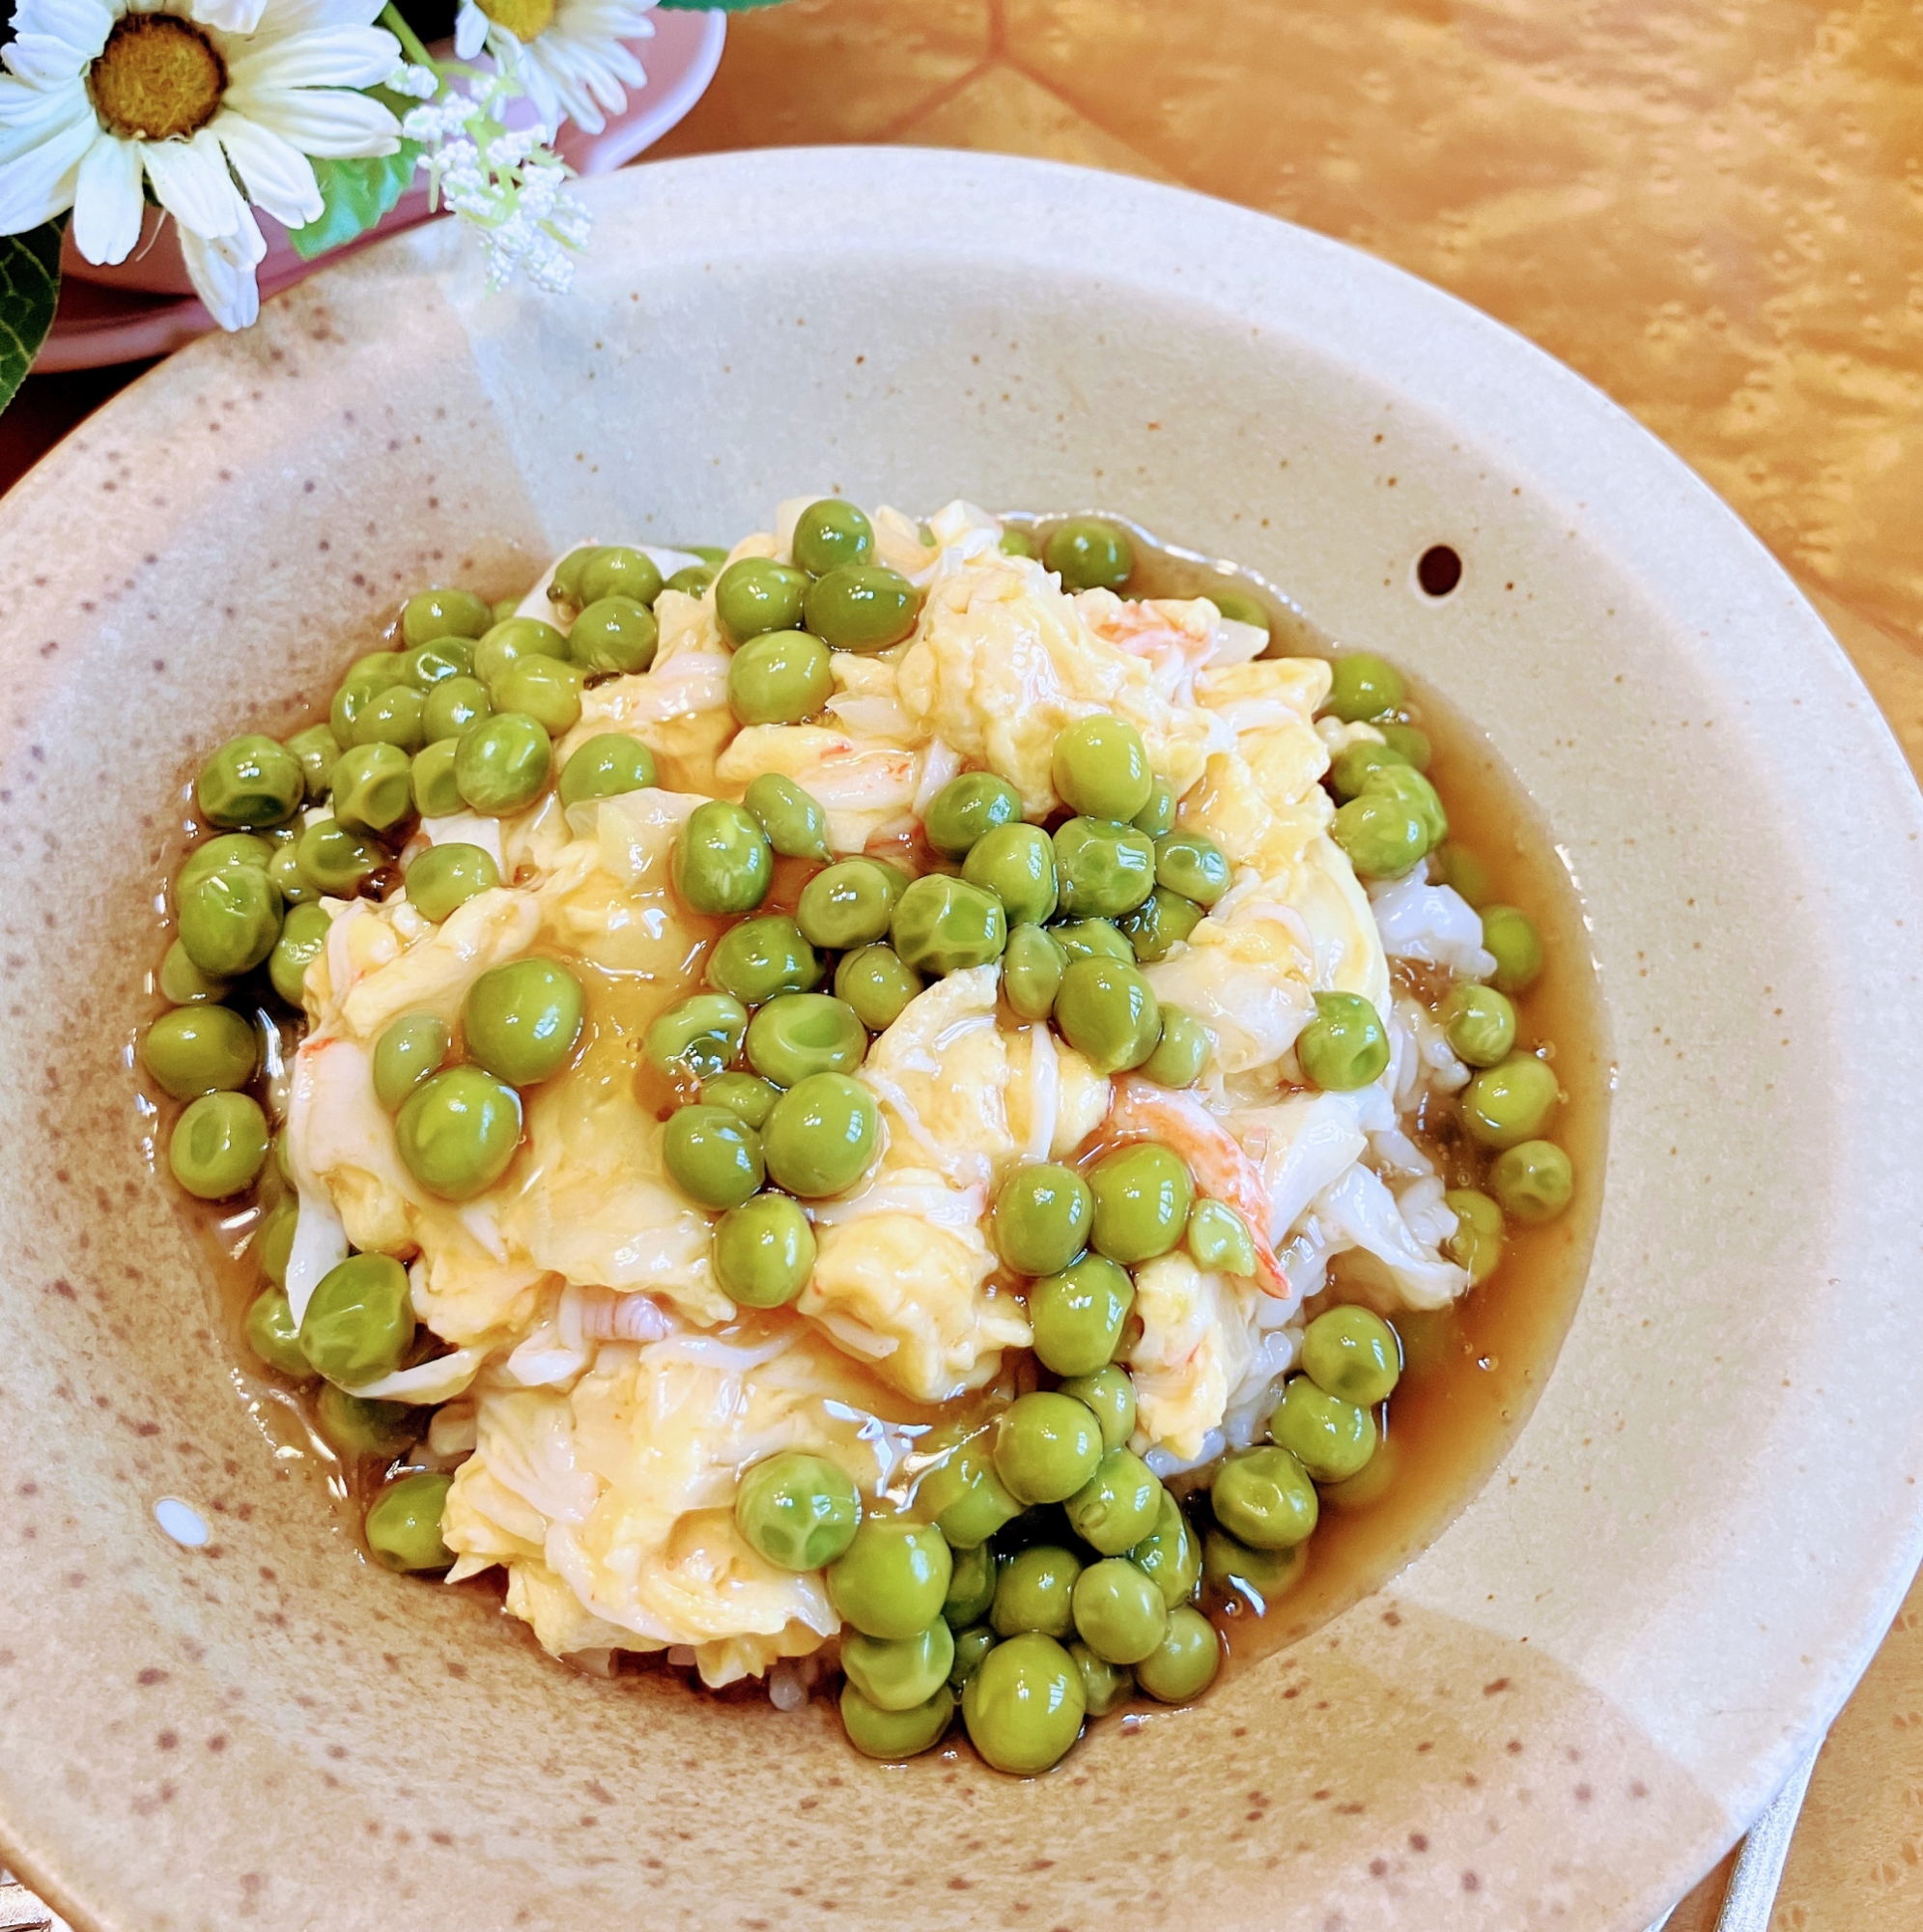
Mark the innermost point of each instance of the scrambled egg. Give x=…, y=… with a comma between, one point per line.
x=614, y=1394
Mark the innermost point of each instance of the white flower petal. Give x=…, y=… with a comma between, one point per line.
x=37, y=183
x=191, y=183
x=276, y=174
x=81, y=25
x=221, y=269
x=471, y=30
x=321, y=120
x=328, y=57
x=231, y=16
x=107, y=202
x=28, y=116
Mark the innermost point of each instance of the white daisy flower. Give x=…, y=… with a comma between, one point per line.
x=190, y=96
x=568, y=56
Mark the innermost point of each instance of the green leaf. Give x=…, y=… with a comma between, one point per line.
x=713, y=6
x=29, y=290
x=354, y=195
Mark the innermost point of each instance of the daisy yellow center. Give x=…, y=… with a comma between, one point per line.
x=525, y=20
x=157, y=76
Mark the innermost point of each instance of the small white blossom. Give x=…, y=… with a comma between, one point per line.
x=417, y=83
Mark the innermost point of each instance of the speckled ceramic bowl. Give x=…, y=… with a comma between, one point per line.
x=1558, y=1713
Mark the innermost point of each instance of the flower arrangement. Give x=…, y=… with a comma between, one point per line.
x=317, y=112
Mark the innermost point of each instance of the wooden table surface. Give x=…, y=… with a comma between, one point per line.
x=1712, y=209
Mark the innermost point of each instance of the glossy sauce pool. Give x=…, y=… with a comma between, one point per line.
x=1473, y=1371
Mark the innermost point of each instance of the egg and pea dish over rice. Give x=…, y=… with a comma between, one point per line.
x=879, y=1108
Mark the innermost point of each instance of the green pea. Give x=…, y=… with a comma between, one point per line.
x=521, y=1020
x=1105, y=1686
x=900, y=1673
x=1344, y=1047
x=1092, y=939
x=564, y=586
x=1078, y=1310
x=1117, y=1507
x=231, y=852
x=444, y=614
x=1111, y=1395
x=284, y=870
x=1413, y=743
x=796, y=825
x=1090, y=553
x=512, y=639
x=1181, y=1053
x=544, y=689
x=971, y=1645
x=698, y=1038
x=364, y=682
x=692, y=579
x=1363, y=688
x=358, y=1426
x=1169, y=1556
x=831, y=533
x=764, y=1250
x=411, y=1049
x=1046, y=1447
x=272, y=1335
x=229, y=922
x=1143, y=1196
x=756, y=595
x=273, y=1239
x=1265, y=1499
x=315, y=748
x=335, y=861
x=893, y=1578
x=800, y=1033
x=1240, y=607
x=445, y=877
x=1108, y=1014
x=1219, y=1240
x=1352, y=1352
x=1103, y=869
x=780, y=677
x=1101, y=770
x=429, y=665
x=1192, y=866
x=200, y=1050
x=759, y=958
x=1507, y=1104
x=1016, y=863
x=971, y=1586
x=1031, y=971
x=612, y=635
x=893, y=1735
x=615, y=570
x=1479, y=1023
x=185, y=983
x=502, y=765
x=604, y=766
x=432, y=783
x=1408, y=787
x=723, y=863
x=712, y=1156
x=391, y=717
x=822, y=1136
x=1464, y=873
x=742, y=1094
x=965, y=1495
x=1351, y=766
x=714, y=556
x=967, y=808
x=1024, y=1705
x=1017, y=542
x=875, y=982
x=942, y=926
x=1330, y=1438
x=1533, y=1180
x=450, y=708
x=371, y=787
x=457, y=1132
x=1184, y=1663
x=1382, y=837
x=404, y=1526
x=359, y=1322
x=304, y=938
x=800, y=1511
x=862, y=608
x=1157, y=818
x=1261, y=1577
x=1119, y=1612
x=1160, y=924
x=1034, y=1590
x=849, y=904
x=1041, y=1222
x=1477, y=1242
x=251, y=781
x=1511, y=937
